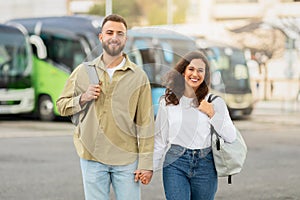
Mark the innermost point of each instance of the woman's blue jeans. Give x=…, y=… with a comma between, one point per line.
x=189, y=174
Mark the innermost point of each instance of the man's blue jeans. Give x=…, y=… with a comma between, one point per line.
x=98, y=177
x=189, y=174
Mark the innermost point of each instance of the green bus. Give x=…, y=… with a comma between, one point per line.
x=16, y=65
x=70, y=40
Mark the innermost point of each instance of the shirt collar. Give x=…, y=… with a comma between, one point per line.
x=99, y=63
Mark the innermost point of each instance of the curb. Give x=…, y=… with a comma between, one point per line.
x=288, y=112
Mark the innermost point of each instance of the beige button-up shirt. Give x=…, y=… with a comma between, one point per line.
x=118, y=127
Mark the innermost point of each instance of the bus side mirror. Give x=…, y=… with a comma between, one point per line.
x=40, y=46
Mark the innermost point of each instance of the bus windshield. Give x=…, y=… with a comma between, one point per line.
x=14, y=54
x=229, y=71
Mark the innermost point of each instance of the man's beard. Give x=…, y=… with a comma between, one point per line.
x=112, y=51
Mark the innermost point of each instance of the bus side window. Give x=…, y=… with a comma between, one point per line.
x=148, y=63
x=77, y=59
x=167, y=52
x=21, y=59
x=142, y=54
x=66, y=52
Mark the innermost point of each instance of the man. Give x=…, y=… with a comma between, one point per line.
x=114, y=138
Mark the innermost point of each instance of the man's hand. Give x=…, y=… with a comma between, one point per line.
x=93, y=92
x=144, y=176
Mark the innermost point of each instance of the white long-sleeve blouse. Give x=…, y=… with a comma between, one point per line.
x=185, y=125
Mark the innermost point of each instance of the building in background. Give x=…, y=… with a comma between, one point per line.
x=276, y=24
x=31, y=8
x=237, y=11
x=205, y=15
x=80, y=6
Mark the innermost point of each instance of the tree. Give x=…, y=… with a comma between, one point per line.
x=141, y=12
x=264, y=41
x=129, y=9
x=155, y=11
x=262, y=38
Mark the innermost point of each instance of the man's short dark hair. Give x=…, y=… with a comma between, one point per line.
x=114, y=18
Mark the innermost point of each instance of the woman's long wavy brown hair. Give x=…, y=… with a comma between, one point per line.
x=175, y=82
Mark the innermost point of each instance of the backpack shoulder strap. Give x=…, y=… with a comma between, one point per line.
x=211, y=97
x=92, y=72
x=94, y=79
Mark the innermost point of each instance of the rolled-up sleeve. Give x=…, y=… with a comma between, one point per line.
x=68, y=101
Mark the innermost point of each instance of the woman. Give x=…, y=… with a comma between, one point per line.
x=183, y=131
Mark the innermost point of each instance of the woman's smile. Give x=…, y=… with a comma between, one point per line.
x=194, y=73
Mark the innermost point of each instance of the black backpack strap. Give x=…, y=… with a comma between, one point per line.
x=211, y=97
x=229, y=181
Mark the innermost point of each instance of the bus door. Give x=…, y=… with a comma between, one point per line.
x=146, y=54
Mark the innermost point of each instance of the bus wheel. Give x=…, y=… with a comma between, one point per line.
x=45, y=108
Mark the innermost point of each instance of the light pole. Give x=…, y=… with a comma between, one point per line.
x=169, y=11
x=108, y=7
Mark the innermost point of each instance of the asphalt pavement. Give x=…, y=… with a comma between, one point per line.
x=38, y=160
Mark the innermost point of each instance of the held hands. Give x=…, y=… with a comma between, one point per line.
x=144, y=176
x=93, y=92
x=207, y=108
